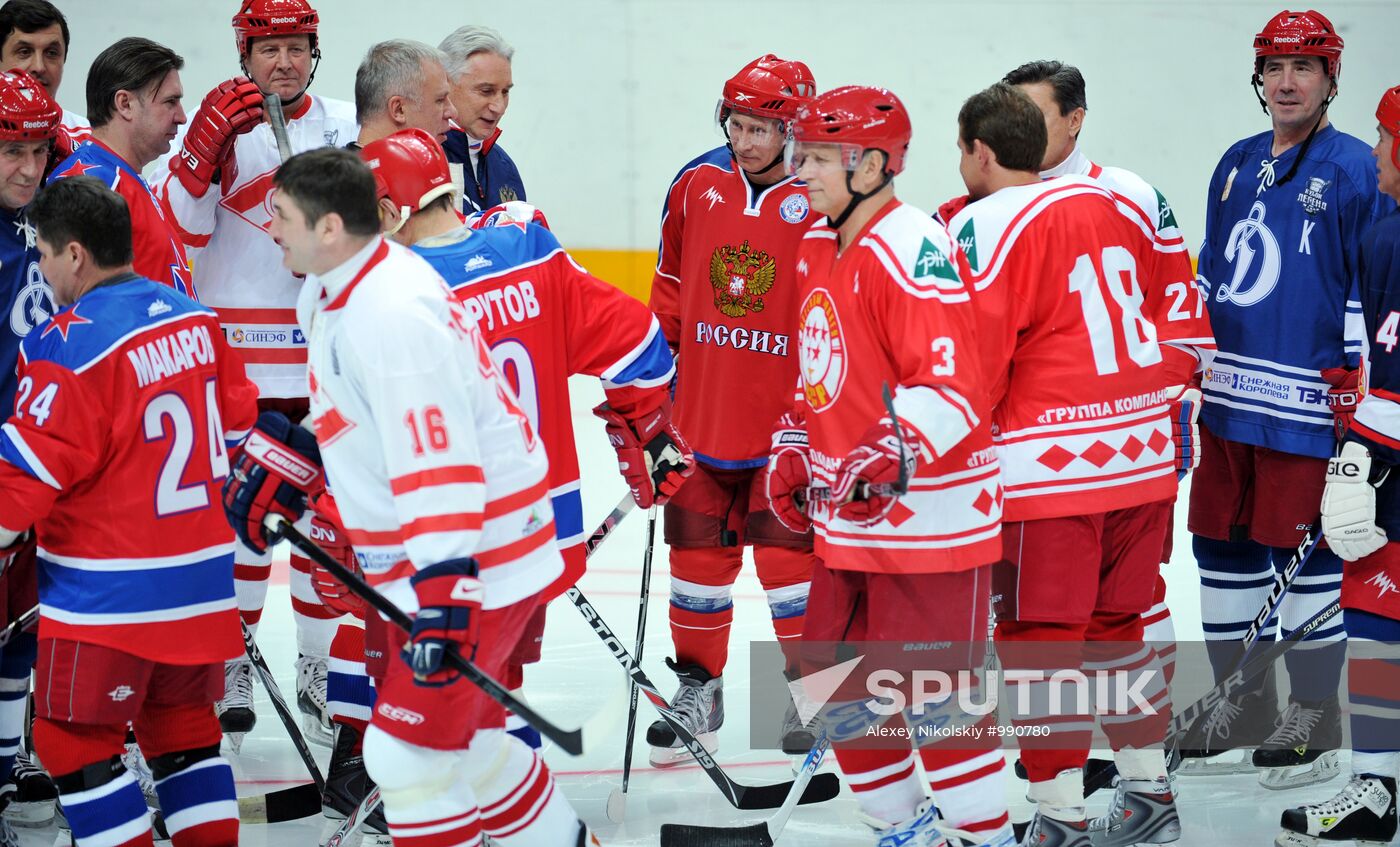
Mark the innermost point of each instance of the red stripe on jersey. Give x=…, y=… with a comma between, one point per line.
x=271, y=355
x=400, y=570
x=517, y=810
x=861, y=788
x=1374, y=435
x=457, y=522
x=1118, y=423
x=453, y=475
x=517, y=549
x=234, y=315
x=519, y=500
x=989, y=472
x=870, y=536
x=1078, y=480
x=971, y=776
x=1386, y=394
x=1035, y=206
x=378, y=256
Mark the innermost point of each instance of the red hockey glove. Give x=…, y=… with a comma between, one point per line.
x=232, y=108
x=329, y=533
x=1186, y=432
x=1343, y=396
x=875, y=461
x=449, y=612
x=510, y=212
x=789, y=472
x=63, y=146
x=652, y=455
x=275, y=471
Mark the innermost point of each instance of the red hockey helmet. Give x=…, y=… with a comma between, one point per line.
x=27, y=113
x=409, y=168
x=767, y=87
x=1299, y=34
x=263, y=18
x=1388, y=116
x=857, y=118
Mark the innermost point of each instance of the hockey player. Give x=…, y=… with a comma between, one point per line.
x=1088, y=486
x=134, y=95
x=128, y=403
x=441, y=481
x=478, y=67
x=402, y=84
x=1286, y=212
x=725, y=294
x=882, y=303
x=1183, y=329
x=1362, y=525
x=216, y=190
x=34, y=38
x=29, y=121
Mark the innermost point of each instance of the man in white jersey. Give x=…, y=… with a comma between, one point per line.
x=216, y=190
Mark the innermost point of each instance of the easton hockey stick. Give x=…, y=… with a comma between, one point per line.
x=824, y=786
x=617, y=799
x=570, y=740
x=279, y=704
x=272, y=105
x=356, y=814
x=754, y=835
x=287, y=804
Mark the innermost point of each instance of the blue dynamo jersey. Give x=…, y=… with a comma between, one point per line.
x=27, y=297
x=1377, y=423
x=1279, y=271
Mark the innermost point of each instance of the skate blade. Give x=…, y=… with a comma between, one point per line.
x=235, y=741
x=315, y=731
x=1320, y=770
x=1230, y=762
x=37, y=814
x=669, y=757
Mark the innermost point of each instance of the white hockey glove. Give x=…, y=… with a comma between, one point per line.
x=1349, y=505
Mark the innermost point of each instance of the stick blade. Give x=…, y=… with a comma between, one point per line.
x=288, y=804
x=823, y=787
x=617, y=806
x=685, y=835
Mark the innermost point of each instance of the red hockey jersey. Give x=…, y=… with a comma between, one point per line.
x=891, y=309
x=545, y=319
x=1069, y=347
x=128, y=403
x=725, y=293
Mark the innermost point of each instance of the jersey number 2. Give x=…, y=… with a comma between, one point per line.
x=1116, y=271
x=167, y=416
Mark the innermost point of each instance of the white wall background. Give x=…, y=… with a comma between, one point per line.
x=613, y=96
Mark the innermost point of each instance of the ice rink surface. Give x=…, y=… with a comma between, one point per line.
x=578, y=678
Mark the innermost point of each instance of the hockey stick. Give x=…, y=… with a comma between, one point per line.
x=348, y=825
x=620, y=511
x=18, y=625
x=279, y=704
x=570, y=740
x=617, y=799
x=287, y=804
x=272, y=105
x=754, y=835
x=824, y=787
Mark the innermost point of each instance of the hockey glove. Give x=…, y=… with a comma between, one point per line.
x=232, y=108
x=449, y=612
x=1349, y=505
x=1186, y=432
x=329, y=534
x=510, y=212
x=63, y=146
x=789, y=472
x=876, y=461
x=275, y=471
x=652, y=455
x=1342, y=397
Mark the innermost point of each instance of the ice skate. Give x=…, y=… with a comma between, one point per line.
x=347, y=783
x=32, y=794
x=1303, y=747
x=1049, y=832
x=8, y=837
x=1141, y=813
x=699, y=704
x=1364, y=812
x=235, y=712
x=798, y=739
x=311, y=699
x=1221, y=741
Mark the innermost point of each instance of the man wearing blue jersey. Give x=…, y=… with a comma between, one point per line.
x=1286, y=212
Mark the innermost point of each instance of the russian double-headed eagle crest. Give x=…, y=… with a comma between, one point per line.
x=741, y=276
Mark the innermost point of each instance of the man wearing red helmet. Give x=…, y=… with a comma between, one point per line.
x=34, y=38
x=216, y=188
x=29, y=121
x=905, y=508
x=1088, y=485
x=725, y=292
x=1287, y=209
x=1361, y=521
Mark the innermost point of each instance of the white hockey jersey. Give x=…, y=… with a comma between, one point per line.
x=237, y=268
x=429, y=453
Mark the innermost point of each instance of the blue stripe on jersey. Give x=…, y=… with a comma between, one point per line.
x=16, y=452
x=133, y=594
x=736, y=465
x=653, y=363
x=568, y=514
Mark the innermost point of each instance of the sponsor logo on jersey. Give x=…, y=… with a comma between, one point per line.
x=476, y=263
x=399, y=713
x=1249, y=239
x=794, y=209
x=741, y=338
x=1311, y=196
x=120, y=693
x=298, y=337
x=507, y=194
x=713, y=196
x=740, y=277
x=33, y=304
x=332, y=137
x=821, y=350
x=257, y=337
x=157, y=307
x=934, y=262
x=252, y=201
x=1384, y=584
x=1166, y=218
x=967, y=241
x=1229, y=181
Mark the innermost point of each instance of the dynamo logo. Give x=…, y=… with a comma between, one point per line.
x=1241, y=249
